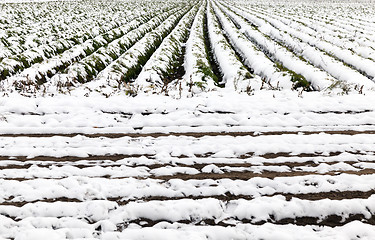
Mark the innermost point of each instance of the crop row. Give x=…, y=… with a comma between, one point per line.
x=196, y=46
x=49, y=23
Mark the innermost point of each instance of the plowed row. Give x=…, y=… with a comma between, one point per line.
x=183, y=48
x=99, y=185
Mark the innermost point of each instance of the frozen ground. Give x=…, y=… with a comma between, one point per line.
x=274, y=165
x=184, y=119
x=185, y=47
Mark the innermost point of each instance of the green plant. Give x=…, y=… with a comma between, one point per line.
x=344, y=87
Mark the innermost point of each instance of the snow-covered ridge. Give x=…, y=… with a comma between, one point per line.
x=187, y=120
x=279, y=111
x=85, y=52
x=158, y=165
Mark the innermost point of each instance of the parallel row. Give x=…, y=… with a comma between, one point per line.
x=202, y=182
x=279, y=111
x=89, y=67
x=326, y=32
x=50, y=23
x=90, y=177
x=337, y=61
x=165, y=64
x=199, y=75
x=236, y=46
x=25, y=47
x=296, y=55
x=92, y=55
x=50, y=66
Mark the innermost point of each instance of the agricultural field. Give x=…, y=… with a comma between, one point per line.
x=185, y=47
x=191, y=120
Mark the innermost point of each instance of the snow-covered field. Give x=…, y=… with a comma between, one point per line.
x=187, y=120
x=185, y=47
x=275, y=165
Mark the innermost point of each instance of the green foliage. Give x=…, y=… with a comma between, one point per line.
x=5, y=42
x=213, y=66
x=298, y=79
x=344, y=87
x=201, y=85
x=4, y=73
x=206, y=71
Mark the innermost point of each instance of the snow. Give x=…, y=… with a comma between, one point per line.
x=281, y=110
x=70, y=196
x=152, y=72
x=232, y=70
x=196, y=58
x=252, y=160
x=38, y=234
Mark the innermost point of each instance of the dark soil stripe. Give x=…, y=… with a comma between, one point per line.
x=198, y=166
x=216, y=176
x=226, y=197
x=331, y=220
x=116, y=157
x=189, y=134
x=250, y=175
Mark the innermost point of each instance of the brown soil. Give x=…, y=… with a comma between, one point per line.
x=228, y=175
x=331, y=220
x=197, y=166
x=249, y=175
x=116, y=157
x=188, y=134
x=227, y=197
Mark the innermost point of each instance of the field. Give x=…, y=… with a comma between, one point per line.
x=187, y=120
x=185, y=47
